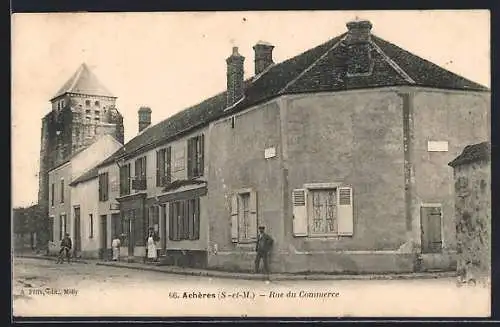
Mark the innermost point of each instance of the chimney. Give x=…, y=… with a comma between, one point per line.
x=358, y=48
x=235, y=76
x=263, y=56
x=144, y=118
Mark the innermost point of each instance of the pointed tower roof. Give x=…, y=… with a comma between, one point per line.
x=83, y=81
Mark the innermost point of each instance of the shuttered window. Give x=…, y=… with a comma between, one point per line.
x=323, y=212
x=184, y=220
x=163, y=168
x=244, y=217
x=103, y=187
x=125, y=180
x=140, y=179
x=195, y=156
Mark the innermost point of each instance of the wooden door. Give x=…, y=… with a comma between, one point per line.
x=103, y=237
x=77, y=232
x=431, y=220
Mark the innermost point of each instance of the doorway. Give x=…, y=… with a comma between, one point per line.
x=103, y=238
x=77, y=233
x=431, y=228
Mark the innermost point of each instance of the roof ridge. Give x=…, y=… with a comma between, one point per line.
x=398, y=48
x=77, y=76
x=312, y=65
x=392, y=63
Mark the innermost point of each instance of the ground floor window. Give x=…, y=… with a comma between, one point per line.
x=323, y=211
x=184, y=220
x=244, y=216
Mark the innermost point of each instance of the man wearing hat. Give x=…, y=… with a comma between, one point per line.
x=264, y=245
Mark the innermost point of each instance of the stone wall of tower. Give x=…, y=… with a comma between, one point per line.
x=43, y=186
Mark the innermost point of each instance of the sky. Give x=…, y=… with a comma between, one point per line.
x=170, y=61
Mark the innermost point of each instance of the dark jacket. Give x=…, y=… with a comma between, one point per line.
x=66, y=242
x=264, y=243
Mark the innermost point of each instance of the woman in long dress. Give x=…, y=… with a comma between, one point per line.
x=116, y=248
x=152, y=255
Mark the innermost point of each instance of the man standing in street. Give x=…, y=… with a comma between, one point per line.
x=264, y=245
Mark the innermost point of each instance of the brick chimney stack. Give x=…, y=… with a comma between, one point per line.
x=358, y=48
x=235, y=77
x=263, y=56
x=144, y=118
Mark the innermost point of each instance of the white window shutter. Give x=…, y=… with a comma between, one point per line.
x=345, y=220
x=252, y=229
x=299, y=200
x=234, y=218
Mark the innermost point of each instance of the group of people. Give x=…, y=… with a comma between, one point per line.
x=263, y=248
x=151, y=247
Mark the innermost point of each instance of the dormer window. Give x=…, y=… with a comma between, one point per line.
x=97, y=104
x=87, y=103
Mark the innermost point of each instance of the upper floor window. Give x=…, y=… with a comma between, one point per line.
x=195, y=156
x=87, y=103
x=139, y=182
x=103, y=187
x=97, y=112
x=125, y=179
x=62, y=190
x=325, y=211
x=97, y=104
x=163, y=167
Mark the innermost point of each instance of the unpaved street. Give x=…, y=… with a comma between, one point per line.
x=44, y=288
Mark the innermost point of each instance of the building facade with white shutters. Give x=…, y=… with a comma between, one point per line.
x=339, y=152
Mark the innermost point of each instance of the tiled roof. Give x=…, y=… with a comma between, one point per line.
x=83, y=81
x=472, y=153
x=88, y=175
x=319, y=69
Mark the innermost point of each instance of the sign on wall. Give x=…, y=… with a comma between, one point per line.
x=437, y=146
x=270, y=152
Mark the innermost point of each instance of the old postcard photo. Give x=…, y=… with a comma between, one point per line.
x=251, y=164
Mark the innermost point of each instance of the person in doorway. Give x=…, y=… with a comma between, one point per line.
x=115, y=244
x=151, y=247
x=264, y=245
x=66, y=245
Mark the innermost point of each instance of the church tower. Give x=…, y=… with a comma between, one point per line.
x=81, y=111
